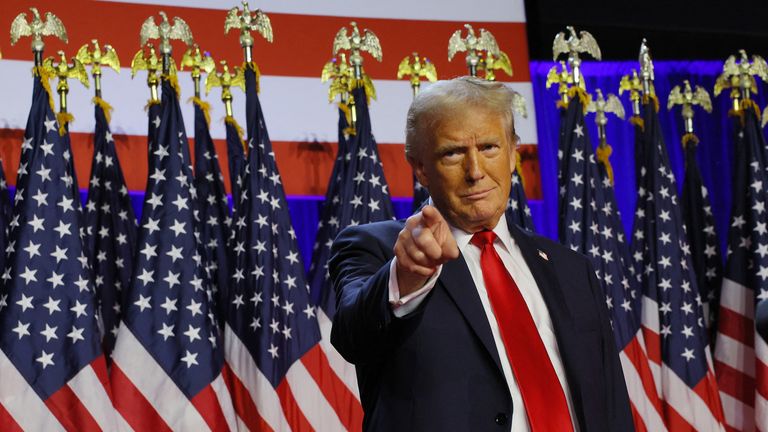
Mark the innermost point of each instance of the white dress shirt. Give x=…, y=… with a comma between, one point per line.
x=515, y=264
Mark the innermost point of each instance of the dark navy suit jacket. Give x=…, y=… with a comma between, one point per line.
x=438, y=369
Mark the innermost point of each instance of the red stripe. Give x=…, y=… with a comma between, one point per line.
x=305, y=37
x=244, y=406
x=639, y=360
x=315, y=159
x=346, y=405
x=707, y=390
x=675, y=422
x=652, y=345
x=729, y=428
x=7, y=422
x=100, y=369
x=637, y=419
x=736, y=326
x=207, y=404
x=296, y=419
x=71, y=413
x=761, y=372
x=735, y=383
x=133, y=406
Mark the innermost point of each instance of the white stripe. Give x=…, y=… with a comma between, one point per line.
x=761, y=412
x=638, y=396
x=313, y=404
x=738, y=298
x=687, y=403
x=225, y=401
x=650, y=314
x=21, y=402
x=295, y=108
x=259, y=388
x=761, y=349
x=154, y=384
x=738, y=415
x=435, y=10
x=92, y=394
x=735, y=354
x=342, y=368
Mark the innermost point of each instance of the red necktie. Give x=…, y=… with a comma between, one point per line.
x=543, y=396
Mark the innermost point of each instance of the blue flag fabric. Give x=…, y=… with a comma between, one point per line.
x=700, y=224
x=110, y=226
x=235, y=160
x=589, y=226
x=213, y=207
x=169, y=303
x=517, y=206
x=5, y=213
x=268, y=307
x=329, y=226
x=48, y=309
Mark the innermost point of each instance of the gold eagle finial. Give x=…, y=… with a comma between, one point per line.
x=37, y=28
x=631, y=83
x=491, y=63
x=739, y=76
x=226, y=80
x=472, y=45
x=688, y=97
x=165, y=32
x=572, y=46
x=247, y=22
x=198, y=61
x=416, y=69
x=96, y=57
x=356, y=43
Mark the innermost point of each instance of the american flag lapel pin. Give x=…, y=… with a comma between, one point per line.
x=543, y=255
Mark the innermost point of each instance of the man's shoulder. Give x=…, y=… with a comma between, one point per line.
x=383, y=231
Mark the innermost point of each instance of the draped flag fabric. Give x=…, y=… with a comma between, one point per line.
x=53, y=374
x=110, y=227
x=700, y=224
x=279, y=374
x=213, y=208
x=741, y=354
x=672, y=316
x=328, y=227
x=5, y=214
x=235, y=159
x=517, y=206
x=590, y=228
x=168, y=359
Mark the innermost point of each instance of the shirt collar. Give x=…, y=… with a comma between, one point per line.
x=501, y=230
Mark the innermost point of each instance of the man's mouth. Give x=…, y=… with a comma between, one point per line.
x=478, y=195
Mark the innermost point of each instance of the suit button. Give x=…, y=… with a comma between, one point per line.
x=501, y=419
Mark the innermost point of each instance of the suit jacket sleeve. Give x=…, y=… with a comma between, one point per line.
x=359, y=268
x=618, y=399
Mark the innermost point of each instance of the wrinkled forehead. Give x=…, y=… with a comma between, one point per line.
x=449, y=114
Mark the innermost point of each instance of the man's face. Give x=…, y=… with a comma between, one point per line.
x=467, y=166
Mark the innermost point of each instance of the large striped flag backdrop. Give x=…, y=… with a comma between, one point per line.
x=295, y=101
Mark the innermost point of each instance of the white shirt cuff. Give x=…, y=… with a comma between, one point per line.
x=402, y=306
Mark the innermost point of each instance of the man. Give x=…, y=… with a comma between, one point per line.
x=457, y=320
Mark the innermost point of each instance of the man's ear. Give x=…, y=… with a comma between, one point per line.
x=513, y=157
x=418, y=170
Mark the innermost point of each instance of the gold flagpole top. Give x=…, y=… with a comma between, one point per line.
x=147, y=59
x=197, y=61
x=416, y=69
x=601, y=106
x=572, y=46
x=634, y=86
x=225, y=79
x=473, y=46
x=341, y=77
x=739, y=76
x=247, y=22
x=646, y=69
x=94, y=56
x=490, y=63
x=356, y=43
x=165, y=32
x=37, y=28
x=64, y=71
x=687, y=97
x=563, y=79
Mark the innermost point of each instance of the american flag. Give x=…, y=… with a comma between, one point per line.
x=700, y=224
x=53, y=373
x=110, y=229
x=168, y=359
x=235, y=159
x=279, y=377
x=741, y=355
x=517, y=206
x=213, y=208
x=590, y=227
x=328, y=227
x=5, y=214
x=420, y=195
x=672, y=316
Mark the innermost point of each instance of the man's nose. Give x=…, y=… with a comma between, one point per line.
x=473, y=166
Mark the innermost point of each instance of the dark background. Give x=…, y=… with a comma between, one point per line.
x=674, y=29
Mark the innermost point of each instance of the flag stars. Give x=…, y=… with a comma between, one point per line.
x=21, y=329
x=194, y=307
x=28, y=275
x=169, y=305
x=190, y=359
x=79, y=309
x=76, y=334
x=688, y=354
x=49, y=332
x=193, y=333
x=63, y=229
x=273, y=351
x=45, y=359
x=166, y=332
x=143, y=303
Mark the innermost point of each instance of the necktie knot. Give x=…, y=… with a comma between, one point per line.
x=483, y=238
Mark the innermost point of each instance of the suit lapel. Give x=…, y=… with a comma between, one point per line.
x=457, y=281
